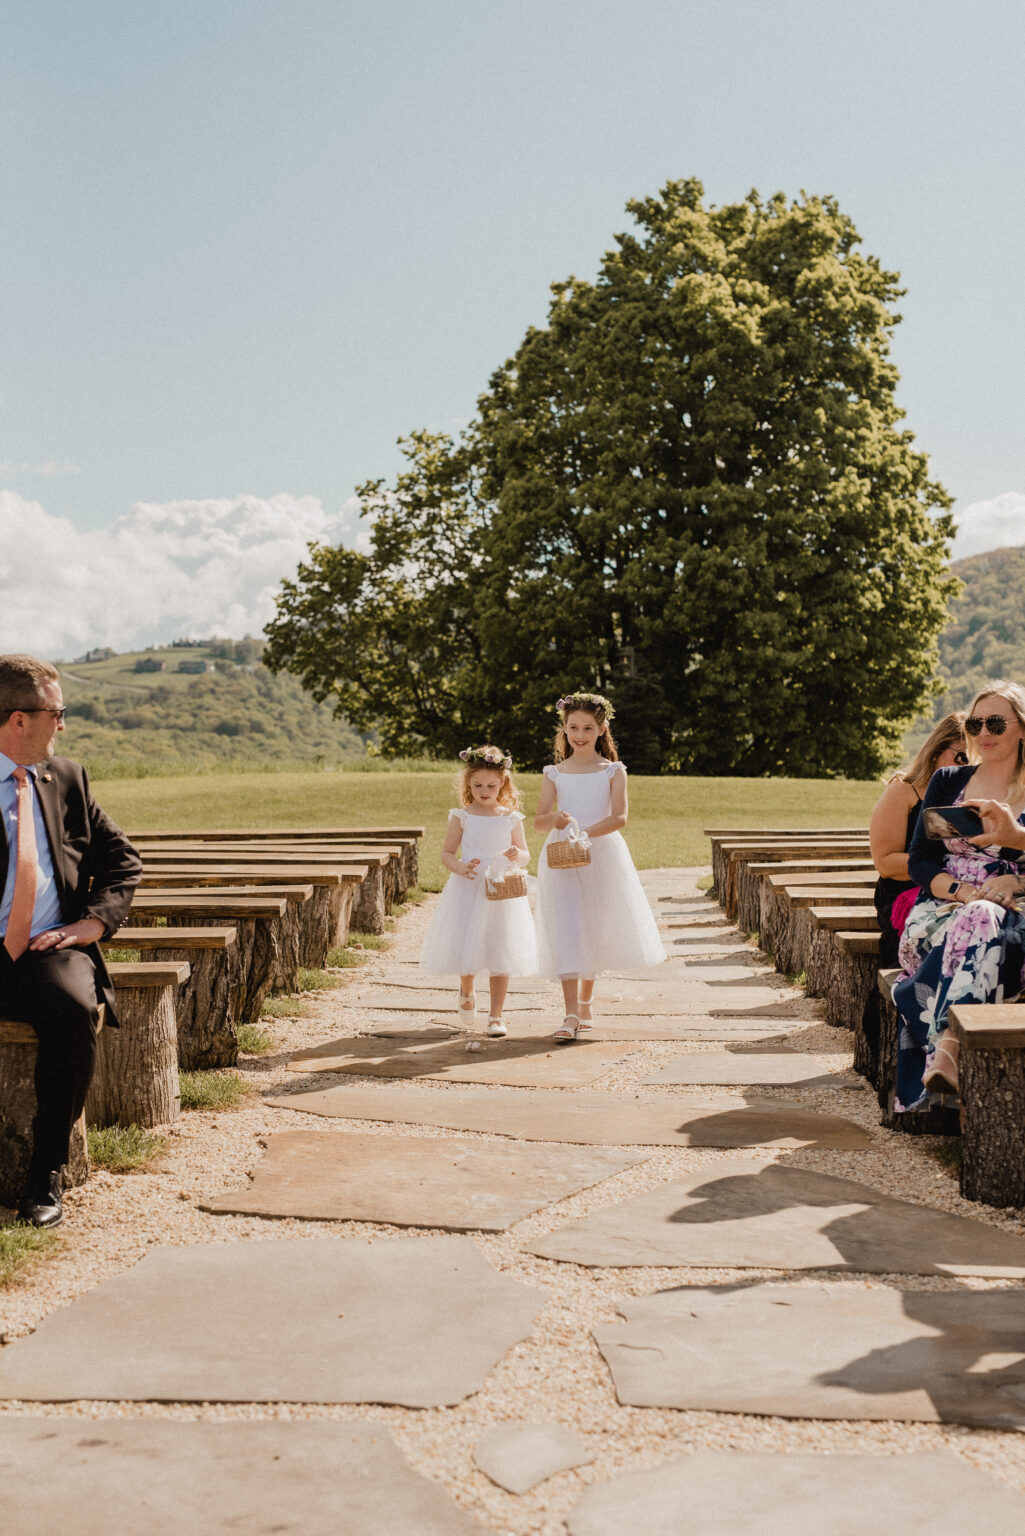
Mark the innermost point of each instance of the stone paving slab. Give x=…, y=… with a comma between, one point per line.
x=741, y=1214
x=832, y=1351
x=518, y=1456
x=747, y=1493
x=588, y=1119
x=117, y=1477
x=650, y=1027
x=530, y=1061
x=307, y=1320
x=415, y=1181
x=427, y=1000
x=411, y=978
x=782, y=1067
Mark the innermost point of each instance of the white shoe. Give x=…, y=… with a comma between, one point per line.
x=568, y=1028
x=496, y=1027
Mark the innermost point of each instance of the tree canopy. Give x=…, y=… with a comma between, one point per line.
x=690, y=490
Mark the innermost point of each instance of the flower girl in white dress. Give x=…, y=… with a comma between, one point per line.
x=470, y=933
x=594, y=917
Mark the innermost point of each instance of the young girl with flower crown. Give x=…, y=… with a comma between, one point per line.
x=593, y=917
x=469, y=933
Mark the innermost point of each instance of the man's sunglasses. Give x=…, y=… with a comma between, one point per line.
x=996, y=725
x=58, y=714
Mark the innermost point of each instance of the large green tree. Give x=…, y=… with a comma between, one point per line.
x=691, y=489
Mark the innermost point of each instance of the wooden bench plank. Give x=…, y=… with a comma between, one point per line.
x=989, y=1026
x=167, y=938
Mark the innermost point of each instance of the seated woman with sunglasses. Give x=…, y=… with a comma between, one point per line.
x=964, y=939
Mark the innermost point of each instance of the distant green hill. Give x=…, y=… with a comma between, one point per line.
x=222, y=713
x=986, y=634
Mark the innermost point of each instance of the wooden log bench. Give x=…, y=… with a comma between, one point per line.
x=853, y=974
x=940, y=1119
x=991, y=1073
x=260, y=923
x=815, y=869
x=409, y=837
x=18, y=1047
x=739, y=896
x=298, y=904
x=745, y=885
x=792, y=927
x=773, y=835
x=207, y=1002
x=368, y=910
x=825, y=921
x=136, y=1079
x=326, y=918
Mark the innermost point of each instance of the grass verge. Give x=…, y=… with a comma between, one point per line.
x=254, y=1041
x=21, y=1246
x=125, y=956
x=949, y=1153
x=123, y=1148
x=316, y=981
x=285, y=1007
x=213, y=1090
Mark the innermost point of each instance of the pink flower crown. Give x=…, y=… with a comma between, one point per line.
x=486, y=757
x=577, y=700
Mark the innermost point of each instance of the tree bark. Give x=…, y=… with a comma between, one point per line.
x=818, y=961
x=849, y=980
x=136, y=1080
x=993, y=1094
x=206, y=1007
x=368, y=908
x=17, y=1109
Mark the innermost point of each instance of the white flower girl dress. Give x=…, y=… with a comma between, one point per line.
x=468, y=934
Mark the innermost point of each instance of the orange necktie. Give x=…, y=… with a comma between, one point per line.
x=19, y=924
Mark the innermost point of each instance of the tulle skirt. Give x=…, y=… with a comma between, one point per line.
x=595, y=918
x=469, y=935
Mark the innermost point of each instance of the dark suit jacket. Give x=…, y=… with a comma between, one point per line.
x=95, y=866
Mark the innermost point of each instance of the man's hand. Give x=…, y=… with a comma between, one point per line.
x=71, y=936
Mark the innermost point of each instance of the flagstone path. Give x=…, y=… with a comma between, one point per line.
x=427, y=1282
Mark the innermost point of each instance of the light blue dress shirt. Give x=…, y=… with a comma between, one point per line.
x=47, y=912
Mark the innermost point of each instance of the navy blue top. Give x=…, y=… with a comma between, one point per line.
x=927, y=855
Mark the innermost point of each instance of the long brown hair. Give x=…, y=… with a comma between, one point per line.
x=605, y=746
x=949, y=734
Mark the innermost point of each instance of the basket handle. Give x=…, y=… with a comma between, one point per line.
x=575, y=834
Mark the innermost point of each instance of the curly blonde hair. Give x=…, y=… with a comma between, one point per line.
x=508, y=794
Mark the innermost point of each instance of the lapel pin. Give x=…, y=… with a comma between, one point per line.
x=47, y=778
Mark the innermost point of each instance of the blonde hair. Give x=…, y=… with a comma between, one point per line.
x=605, y=746
x=508, y=794
x=1013, y=694
x=948, y=734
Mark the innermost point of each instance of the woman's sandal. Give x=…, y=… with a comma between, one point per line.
x=941, y=1076
x=496, y=1026
x=567, y=1030
x=467, y=1007
x=586, y=1026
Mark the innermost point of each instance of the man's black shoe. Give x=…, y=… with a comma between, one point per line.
x=42, y=1204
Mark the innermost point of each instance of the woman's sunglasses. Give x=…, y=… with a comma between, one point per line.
x=996, y=725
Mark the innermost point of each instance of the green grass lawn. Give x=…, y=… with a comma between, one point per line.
x=667, y=815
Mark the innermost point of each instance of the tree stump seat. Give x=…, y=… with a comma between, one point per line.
x=821, y=870
x=136, y=1079
x=940, y=1119
x=852, y=973
x=18, y=1047
x=208, y=1000
x=792, y=930
x=991, y=1072
x=825, y=922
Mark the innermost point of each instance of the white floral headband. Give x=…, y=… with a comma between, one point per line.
x=486, y=757
x=581, y=700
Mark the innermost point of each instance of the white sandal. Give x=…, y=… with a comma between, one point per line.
x=467, y=1007
x=567, y=1030
x=496, y=1026
x=586, y=1026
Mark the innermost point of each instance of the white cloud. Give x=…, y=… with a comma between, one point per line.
x=995, y=524
x=178, y=568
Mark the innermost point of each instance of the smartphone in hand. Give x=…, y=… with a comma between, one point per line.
x=953, y=821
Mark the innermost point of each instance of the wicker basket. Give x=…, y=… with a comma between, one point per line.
x=504, y=890
x=569, y=852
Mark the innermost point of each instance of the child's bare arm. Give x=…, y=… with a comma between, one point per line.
x=620, y=810
x=547, y=816
x=518, y=852
x=450, y=851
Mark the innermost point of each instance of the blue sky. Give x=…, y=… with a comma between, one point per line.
x=246, y=246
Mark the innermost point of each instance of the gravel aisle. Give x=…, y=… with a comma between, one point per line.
x=558, y=1372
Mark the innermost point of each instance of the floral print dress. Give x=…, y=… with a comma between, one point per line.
x=953, y=953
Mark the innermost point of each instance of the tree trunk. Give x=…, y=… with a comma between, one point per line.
x=993, y=1095
x=866, y=1037
x=819, y=961
x=317, y=926
x=17, y=1109
x=747, y=898
x=343, y=900
x=289, y=957
x=136, y=1080
x=368, y=908
x=850, y=979
x=207, y=1006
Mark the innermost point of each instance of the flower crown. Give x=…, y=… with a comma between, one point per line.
x=581, y=700
x=486, y=757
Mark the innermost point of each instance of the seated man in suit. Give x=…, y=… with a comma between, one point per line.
x=67, y=874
